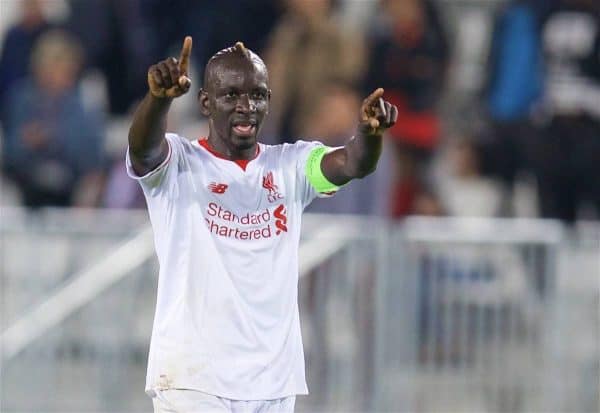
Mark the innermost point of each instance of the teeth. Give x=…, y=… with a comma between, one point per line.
x=243, y=128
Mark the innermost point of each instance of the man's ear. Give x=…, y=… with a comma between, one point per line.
x=204, y=102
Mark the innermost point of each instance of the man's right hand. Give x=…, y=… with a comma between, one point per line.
x=169, y=78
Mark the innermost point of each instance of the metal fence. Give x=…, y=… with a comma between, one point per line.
x=431, y=315
x=461, y=315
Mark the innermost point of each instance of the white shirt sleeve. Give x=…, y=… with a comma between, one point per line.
x=158, y=177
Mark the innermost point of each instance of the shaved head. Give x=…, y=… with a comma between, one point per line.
x=235, y=55
x=235, y=99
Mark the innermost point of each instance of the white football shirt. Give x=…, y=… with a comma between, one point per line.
x=227, y=236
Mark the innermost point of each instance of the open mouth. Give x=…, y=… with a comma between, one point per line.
x=244, y=128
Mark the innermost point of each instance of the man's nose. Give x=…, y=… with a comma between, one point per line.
x=245, y=104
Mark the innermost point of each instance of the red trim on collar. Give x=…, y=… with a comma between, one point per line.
x=242, y=163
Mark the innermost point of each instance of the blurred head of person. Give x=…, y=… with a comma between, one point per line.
x=55, y=62
x=427, y=203
x=32, y=14
x=335, y=114
x=309, y=10
x=408, y=18
x=464, y=158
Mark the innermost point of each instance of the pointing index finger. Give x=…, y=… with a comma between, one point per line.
x=184, y=58
x=370, y=100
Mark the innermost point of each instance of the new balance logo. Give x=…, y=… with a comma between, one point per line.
x=217, y=188
x=269, y=184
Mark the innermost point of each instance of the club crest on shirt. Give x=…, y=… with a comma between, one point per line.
x=269, y=184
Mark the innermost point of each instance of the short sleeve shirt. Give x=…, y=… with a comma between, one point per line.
x=227, y=237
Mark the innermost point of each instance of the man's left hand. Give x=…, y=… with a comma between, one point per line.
x=376, y=114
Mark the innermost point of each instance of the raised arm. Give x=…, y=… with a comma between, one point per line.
x=166, y=80
x=359, y=156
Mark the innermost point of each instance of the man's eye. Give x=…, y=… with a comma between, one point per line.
x=259, y=95
x=231, y=94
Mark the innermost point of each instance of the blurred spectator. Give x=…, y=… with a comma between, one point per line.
x=566, y=153
x=427, y=203
x=463, y=190
x=19, y=40
x=119, y=193
x=53, y=145
x=120, y=42
x=123, y=38
x=408, y=58
x=515, y=81
x=307, y=49
x=514, y=86
x=213, y=24
x=365, y=196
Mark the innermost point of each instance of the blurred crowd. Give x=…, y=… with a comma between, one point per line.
x=528, y=134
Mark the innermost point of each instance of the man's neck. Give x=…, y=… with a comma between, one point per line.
x=233, y=154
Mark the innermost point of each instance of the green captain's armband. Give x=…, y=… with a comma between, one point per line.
x=315, y=175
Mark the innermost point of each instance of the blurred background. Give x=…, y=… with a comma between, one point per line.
x=463, y=275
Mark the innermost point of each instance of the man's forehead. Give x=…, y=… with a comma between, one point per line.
x=237, y=72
